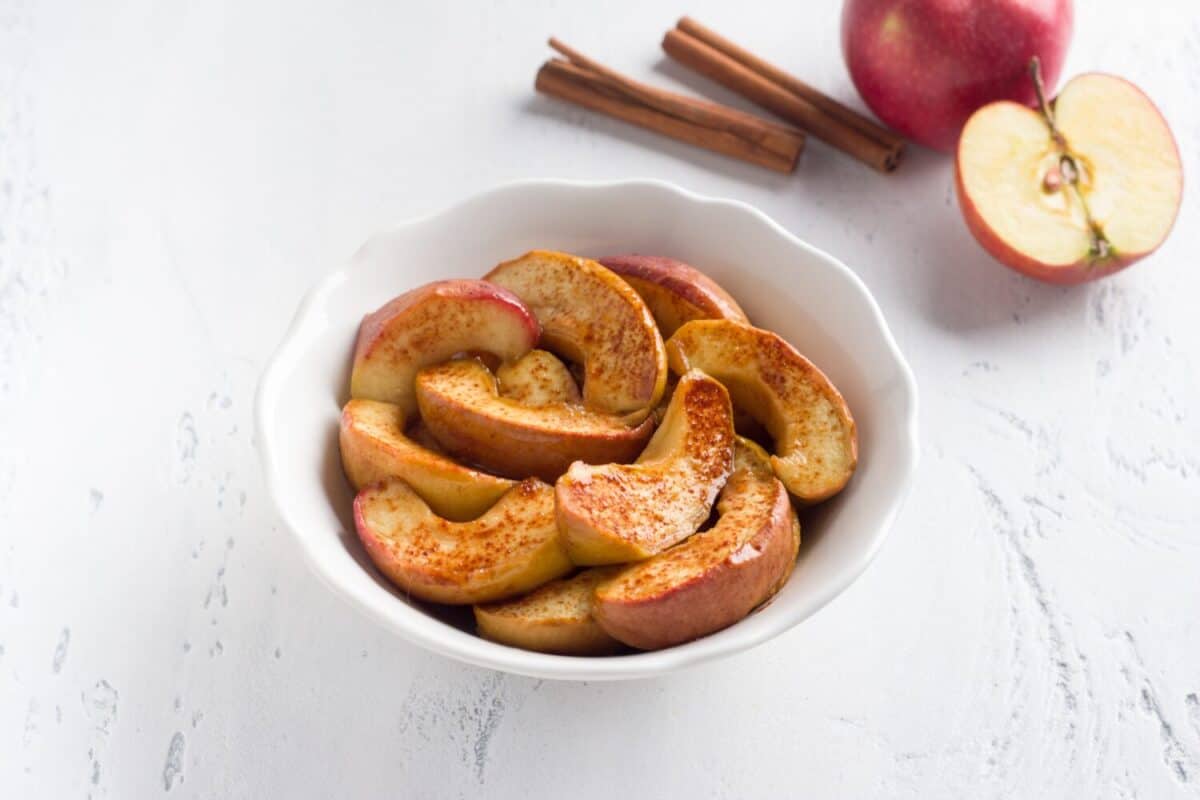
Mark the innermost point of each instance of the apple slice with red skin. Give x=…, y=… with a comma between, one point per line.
x=374, y=446
x=674, y=291
x=461, y=405
x=511, y=549
x=626, y=512
x=590, y=316
x=429, y=325
x=714, y=578
x=815, y=439
x=1076, y=190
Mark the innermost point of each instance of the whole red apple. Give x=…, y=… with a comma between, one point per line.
x=924, y=66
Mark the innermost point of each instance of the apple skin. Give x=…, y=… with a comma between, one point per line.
x=674, y=291
x=721, y=597
x=428, y=325
x=716, y=577
x=924, y=66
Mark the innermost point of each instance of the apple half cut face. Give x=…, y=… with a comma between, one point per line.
x=626, y=512
x=816, y=444
x=714, y=578
x=460, y=403
x=374, y=446
x=1094, y=199
x=511, y=549
x=590, y=316
x=674, y=291
x=555, y=618
x=429, y=325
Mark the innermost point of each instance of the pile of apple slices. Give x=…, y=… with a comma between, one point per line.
x=504, y=433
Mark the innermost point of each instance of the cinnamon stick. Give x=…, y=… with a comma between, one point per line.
x=790, y=98
x=697, y=122
x=777, y=138
x=833, y=108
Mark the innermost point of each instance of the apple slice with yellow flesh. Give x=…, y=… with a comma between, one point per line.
x=514, y=547
x=591, y=316
x=429, y=325
x=816, y=445
x=626, y=512
x=461, y=405
x=375, y=446
x=537, y=378
x=419, y=433
x=675, y=292
x=554, y=618
x=714, y=578
x=1073, y=191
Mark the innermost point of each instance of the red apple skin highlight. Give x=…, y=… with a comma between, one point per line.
x=373, y=324
x=924, y=66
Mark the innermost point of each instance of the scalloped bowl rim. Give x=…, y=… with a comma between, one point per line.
x=411, y=622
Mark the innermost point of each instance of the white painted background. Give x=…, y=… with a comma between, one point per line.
x=173, y=175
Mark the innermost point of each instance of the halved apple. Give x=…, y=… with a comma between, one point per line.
x=816, y=446
x=461, y=404
x=591, y=316
x=512, y=548
x=717, y=576
x=674, y=291
x=626, y=512
x=1078, y=190
x=374, y=446
x=537, y=378
x=429, y=325
x=554, y=618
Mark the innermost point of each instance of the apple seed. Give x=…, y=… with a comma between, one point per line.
x=1068, y=166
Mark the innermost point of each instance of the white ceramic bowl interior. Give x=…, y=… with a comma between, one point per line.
x=785, y=285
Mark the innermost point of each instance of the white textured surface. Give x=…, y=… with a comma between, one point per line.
x=174, y=175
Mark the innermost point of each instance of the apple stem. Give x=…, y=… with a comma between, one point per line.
x=1035, y=73
x=1068, y=167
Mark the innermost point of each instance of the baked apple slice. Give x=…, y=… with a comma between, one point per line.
x=461, y=405
x=675, y=292
x=717, y=576
x=626, y=512
x=537, y=378
x=419, y=433
x=429, y=325
x=591, y=316
x=512, y=548
x=816, y=446
x=554, y=618
x=374, y=446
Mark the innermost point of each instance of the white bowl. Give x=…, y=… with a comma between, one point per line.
x=785, y=285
